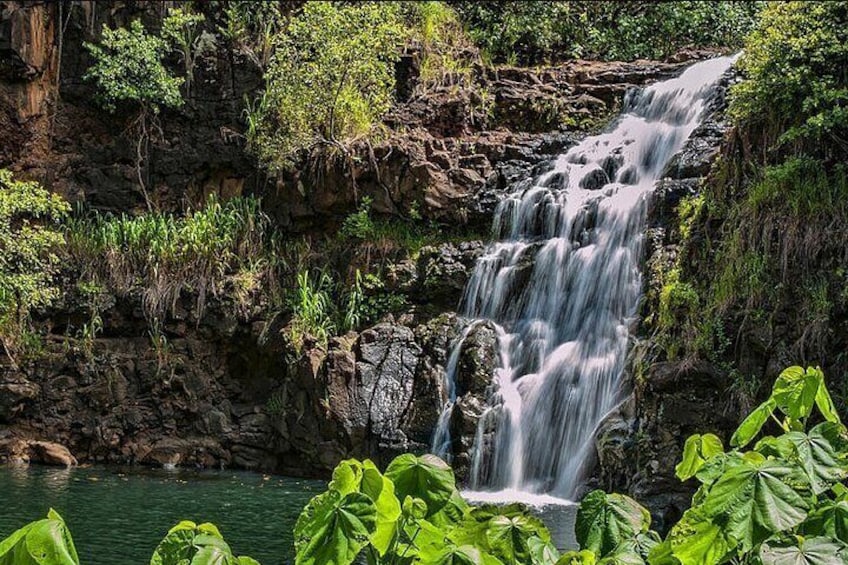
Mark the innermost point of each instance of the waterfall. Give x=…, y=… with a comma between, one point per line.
x=562, y=283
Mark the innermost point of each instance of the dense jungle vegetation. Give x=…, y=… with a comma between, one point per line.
x=775, y=495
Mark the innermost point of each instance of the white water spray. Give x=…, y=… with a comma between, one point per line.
x=562, y=286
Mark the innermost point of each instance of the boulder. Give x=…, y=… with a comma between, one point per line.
x=21, y=450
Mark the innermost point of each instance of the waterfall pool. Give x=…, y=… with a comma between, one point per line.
x=118, y=515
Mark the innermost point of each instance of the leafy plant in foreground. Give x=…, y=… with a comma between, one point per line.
x=413, y=514
x=43, y=542
x=48, y=542
x=782, y=502
x=188, y=543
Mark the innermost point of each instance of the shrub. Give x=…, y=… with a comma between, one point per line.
x=329, y=80
x=535, y=32
x=359, y=225
x=181, y=29
x=313, y=310
x=29, y=239
x=796, y=87
x=128, y=68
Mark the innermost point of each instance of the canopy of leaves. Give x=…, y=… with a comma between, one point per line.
x=797, y=87
x=128, y=68
x=330, y=79
x=535, y=32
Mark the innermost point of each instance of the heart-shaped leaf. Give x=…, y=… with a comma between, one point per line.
x=426, y=477
x=606, y=520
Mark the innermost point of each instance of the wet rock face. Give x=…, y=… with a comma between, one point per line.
x=443, y=272
x=477, y=360
x=15, y=391
x=387, y=361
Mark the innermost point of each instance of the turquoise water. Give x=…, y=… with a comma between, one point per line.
x=118, y=517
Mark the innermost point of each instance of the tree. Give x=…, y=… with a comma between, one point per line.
x=29, y=240
x=128, y=69
x=330, y=79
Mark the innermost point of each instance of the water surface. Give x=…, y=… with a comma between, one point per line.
x=117, y=517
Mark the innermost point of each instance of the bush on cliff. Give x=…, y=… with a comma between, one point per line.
x=329, y=80
x=796, y=86
x=29, y=240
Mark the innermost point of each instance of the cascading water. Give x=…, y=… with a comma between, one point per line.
x=562, y=286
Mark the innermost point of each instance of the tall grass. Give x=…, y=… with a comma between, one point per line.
x=221, y=247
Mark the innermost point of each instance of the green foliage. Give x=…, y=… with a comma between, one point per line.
x=128, y=68
x=697, y=450
x=796, y=87
x=446, y=55
x=48, y=542
x=222, y=248
x=535, y=32
x=43, y=542
x=413, y=514
x=188, y=543
x=251, y=28
x=782, y=502
x=313, y=310
x=181, y=28
x=30, y=240
x=320, y=308
x=802, y=186
x=359, y=225
x=604, y=520
x=330, y=78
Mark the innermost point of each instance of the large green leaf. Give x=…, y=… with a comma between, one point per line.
x=752, y=425
x=426, y=477
x=812, y=551
x=43, y=542
x=754, y=500
x=451, y=513
x=694, y=539
x=583, y=557
x=795, y=391
x=333, y=529
x=822, y=454
x=195, y=544
x=347, y=476
x=606, y=520
x=382, y=491
x=542, y=552
x=622, y=556
x=459, y=555
x=825, y=405
x=697, y=450
x=508, y=537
